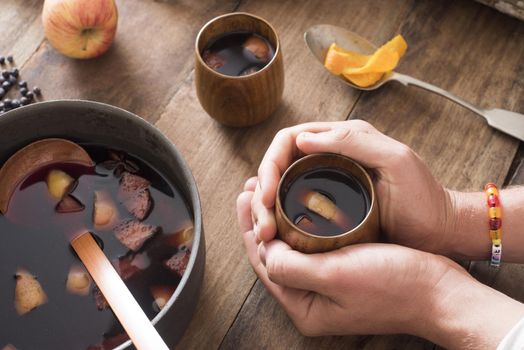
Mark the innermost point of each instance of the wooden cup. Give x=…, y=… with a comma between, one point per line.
x=239, y=100
x=298, y=239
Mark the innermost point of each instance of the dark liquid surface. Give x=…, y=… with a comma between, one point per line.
x=227, y=54
x=343, y=189
x=36, y=238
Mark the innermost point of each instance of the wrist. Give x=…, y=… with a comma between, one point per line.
x=465, y=314
x=467, y=226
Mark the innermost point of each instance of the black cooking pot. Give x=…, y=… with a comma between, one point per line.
x=84, y=121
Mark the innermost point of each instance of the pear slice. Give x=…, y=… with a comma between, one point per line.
x=78, y=281
x=104, y=210
x=323, y=206
x=29, y=294
x=161, y=294
x=58, y=183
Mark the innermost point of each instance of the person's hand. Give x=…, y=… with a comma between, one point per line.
x=415, y=210
x=378, y=289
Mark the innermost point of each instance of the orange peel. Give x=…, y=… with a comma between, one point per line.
x=365, y=70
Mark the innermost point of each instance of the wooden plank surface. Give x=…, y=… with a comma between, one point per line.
x=461, y=46
x=445, y=38
x=151, y=55
x=222, y=158
x=460, y=149
x=21, y=28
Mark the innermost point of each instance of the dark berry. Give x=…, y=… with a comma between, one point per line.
x=2, y=92
x=30, y=96
x=1, y=106
x=2, y=79
x=2, y=60
x=24, y=101
x=23, y=91
x=6, y=85
x=15, y=103
x=22, y=84
x=15, y=72
x=13, y=80
x=5, y=74
x=10, y=59
x=37, y=91
x=7, y=103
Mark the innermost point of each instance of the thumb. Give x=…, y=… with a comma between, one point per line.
x=371, y=149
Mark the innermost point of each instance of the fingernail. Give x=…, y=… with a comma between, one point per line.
x=262, y=254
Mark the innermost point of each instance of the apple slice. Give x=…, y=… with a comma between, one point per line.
x=305, y=223
x=104, y=210
x=29, y=294
x=183, y=238
x=161, y=294
x=213, y=60
x=58, y=183
x=258, y=47
x=69, y=204
x=78, y=281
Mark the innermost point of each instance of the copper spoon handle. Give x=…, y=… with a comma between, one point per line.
x=142, y=333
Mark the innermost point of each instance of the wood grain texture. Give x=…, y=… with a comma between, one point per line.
x=469, y=49
x=222, y=158
x=461, y=150
x=22, y=31
x=152, y=53
x=513, y=8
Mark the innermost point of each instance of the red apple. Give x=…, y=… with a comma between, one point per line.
x=80, y=28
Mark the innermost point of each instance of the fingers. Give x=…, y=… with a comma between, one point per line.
x=250, y=184
x=279, y=155
x=372, y=149
x=283, y=150
x=290, y=268
x=265, y=226
x=291, y=299
x=244, y=211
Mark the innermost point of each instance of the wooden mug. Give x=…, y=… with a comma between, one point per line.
x=365, y=232
x=239, y=100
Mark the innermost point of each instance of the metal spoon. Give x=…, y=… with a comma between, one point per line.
x=318, y=38
x=52, y=151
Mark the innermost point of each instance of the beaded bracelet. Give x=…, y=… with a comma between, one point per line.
x=495, y=223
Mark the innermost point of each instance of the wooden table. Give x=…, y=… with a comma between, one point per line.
x=462, y=46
